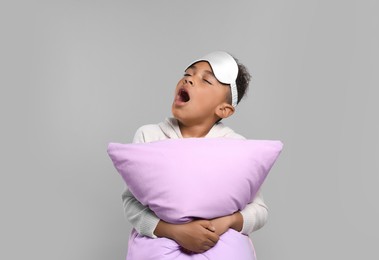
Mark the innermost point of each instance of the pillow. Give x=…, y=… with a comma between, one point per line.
x=183, y=179
x=231, y=245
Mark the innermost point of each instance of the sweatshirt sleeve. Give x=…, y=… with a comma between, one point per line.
x=141, y=217
x=254, y=215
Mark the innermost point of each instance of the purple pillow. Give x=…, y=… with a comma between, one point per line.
x=232, y=245
x=182, y=179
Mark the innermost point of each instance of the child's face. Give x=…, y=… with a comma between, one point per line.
x=199, y=95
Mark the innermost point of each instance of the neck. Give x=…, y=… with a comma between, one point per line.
x=197, y=130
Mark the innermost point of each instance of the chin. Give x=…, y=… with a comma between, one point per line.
x=175, y=114
x=178, y=116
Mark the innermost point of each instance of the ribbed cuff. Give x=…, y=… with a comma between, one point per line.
x=248, y=223
x=148, y=224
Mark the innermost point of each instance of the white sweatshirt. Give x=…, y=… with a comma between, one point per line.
x=145, y=221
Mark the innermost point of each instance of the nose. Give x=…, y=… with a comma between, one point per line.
x=188, y=80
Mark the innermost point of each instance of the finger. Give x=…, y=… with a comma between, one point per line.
x=207, y=242
x=208, y=225
x=213, y=237
x=211, y=228
x=210, y=243
x=186, y=251
x=202, y=250
x=206, y=248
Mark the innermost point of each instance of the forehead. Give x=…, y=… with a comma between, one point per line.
x=201, y=66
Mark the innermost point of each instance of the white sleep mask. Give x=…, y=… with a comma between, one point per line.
x=225, y=69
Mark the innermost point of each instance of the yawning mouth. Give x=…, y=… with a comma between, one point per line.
x=183, y=95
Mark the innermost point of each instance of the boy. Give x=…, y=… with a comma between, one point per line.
x=209, y=91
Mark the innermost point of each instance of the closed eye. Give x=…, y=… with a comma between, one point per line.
x=207, y=81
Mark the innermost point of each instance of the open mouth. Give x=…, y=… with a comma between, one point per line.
x=183, y=95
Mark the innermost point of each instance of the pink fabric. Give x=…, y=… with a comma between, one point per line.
x=182, y=179
x=232, y=245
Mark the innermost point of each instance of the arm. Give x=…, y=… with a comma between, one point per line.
x=141, y=217
x=250, y=219
x=197, y=236
x=254, y=215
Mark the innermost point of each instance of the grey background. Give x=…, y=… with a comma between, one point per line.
x=76, y=75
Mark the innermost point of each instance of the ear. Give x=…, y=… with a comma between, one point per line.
x=224, y=110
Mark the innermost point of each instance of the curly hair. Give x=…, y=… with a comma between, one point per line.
x=242, y=81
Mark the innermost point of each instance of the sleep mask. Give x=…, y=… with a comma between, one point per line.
x=225, y=69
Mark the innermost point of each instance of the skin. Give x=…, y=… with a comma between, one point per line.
x=208, y=103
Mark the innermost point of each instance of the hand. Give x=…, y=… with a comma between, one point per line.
x=197, y=236
x=222, y=224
